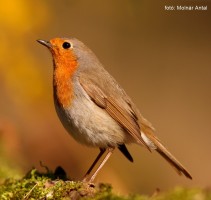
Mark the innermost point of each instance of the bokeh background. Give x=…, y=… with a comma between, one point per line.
x=161, y=58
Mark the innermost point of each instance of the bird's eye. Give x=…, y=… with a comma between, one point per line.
x=66, y=45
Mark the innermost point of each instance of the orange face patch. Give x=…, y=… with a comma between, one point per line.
x=65, y=65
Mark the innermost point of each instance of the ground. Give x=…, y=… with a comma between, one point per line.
x=55, y=185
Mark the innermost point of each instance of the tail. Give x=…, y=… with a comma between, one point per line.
x=153, y=142
x=169, y=157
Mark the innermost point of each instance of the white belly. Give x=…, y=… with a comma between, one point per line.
x=90, y=124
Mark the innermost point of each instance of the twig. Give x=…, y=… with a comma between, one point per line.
x=30, y=191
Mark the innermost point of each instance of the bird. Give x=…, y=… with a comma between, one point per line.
x=95, y=110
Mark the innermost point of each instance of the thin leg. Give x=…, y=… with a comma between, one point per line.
x=102, y=151
x=110, y=151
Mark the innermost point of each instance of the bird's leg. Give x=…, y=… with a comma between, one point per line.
x=102, y=151
x=110, y=151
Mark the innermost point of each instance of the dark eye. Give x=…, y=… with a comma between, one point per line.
x=66, y=45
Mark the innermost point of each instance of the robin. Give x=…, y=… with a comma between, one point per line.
x=95, y=109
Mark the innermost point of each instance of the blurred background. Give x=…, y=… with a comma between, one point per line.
x=161, y=58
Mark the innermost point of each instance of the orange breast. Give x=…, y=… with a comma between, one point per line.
x=65, y=66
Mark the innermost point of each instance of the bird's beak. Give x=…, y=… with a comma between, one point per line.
x=45, y=43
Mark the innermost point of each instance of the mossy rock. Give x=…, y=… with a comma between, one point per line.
x=46, y=186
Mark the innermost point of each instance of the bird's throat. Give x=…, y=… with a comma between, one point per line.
x=62, y=81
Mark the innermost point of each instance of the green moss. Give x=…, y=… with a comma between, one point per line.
x=36, y=185
x=185, y=194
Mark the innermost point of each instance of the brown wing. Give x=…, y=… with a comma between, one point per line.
x=126, y=118
x=126, y=115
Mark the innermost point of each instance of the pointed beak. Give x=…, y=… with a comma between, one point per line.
x=45, y=43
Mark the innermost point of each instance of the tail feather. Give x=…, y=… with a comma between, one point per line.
x=126, y=153
x=153, y=142
x=170, y=158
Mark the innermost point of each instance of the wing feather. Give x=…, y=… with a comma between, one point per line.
x=114, y=109
x=124, y=112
